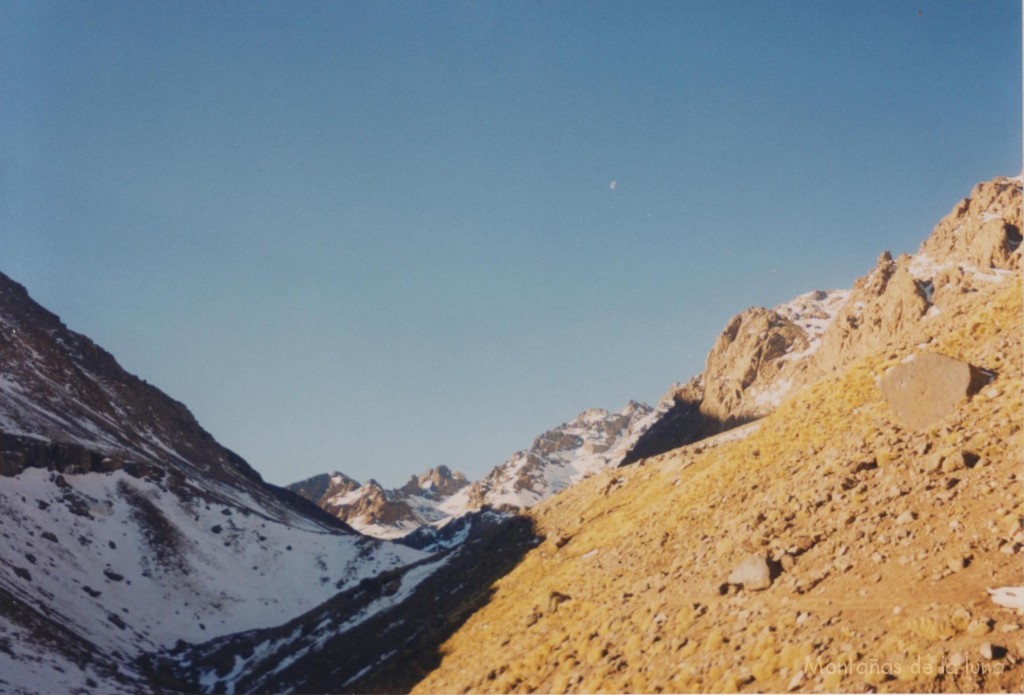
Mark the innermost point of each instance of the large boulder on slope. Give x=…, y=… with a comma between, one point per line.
x=928, y=387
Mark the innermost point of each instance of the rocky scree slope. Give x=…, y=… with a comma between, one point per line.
x=125, y=527
x=874, y=545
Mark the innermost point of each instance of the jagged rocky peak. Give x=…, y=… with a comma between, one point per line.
x=593, y=440
x=435, y=483
x=343, y=481
x=635, y=409
x=983, y=230
x=323, y=487
x=380, y=512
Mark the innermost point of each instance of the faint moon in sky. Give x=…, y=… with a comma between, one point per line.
x=614, y=184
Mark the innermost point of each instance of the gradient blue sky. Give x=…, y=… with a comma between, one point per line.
x=381, y=236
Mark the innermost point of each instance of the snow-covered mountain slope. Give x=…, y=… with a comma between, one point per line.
x=558, y=458
x=380, y=636
x=124, y=527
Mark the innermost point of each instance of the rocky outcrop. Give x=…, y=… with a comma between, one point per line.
x=885, y=302
x=983, y=230
x=748, y=354
x=757, y=359
x=929, y=387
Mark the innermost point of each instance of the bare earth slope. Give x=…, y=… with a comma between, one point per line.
x=881, y=542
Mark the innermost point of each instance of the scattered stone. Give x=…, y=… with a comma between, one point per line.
x=752, y=574
x=932, y=464
x=906, y=517
x=980, y=626
x=992, y=651
x=955, y=461
x=929, y=387
x=957, y=563
x=560, y=541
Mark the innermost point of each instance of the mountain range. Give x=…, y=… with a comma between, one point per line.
x=839, y=487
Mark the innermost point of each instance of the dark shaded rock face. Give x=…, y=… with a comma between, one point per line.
x=929, y=387
x=313, y=489
x=682, y=424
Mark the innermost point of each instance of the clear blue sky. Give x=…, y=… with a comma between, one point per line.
x=382, y=236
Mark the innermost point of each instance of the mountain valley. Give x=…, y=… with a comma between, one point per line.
x=834, y=504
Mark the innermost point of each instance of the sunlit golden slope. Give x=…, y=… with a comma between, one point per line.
x=625, y=593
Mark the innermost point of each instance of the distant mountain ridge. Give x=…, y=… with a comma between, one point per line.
x=375, y=511
x=561, y=456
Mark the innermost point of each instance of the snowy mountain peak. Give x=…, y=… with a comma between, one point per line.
x=593, y=440
x=435, y=483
